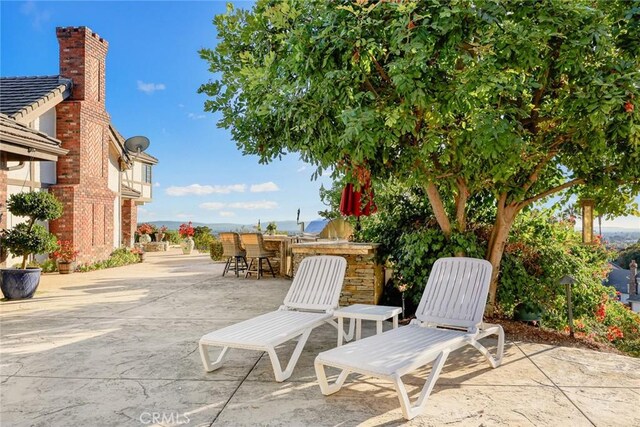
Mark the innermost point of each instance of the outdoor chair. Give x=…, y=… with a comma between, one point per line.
x=449, y=317
x=232, y=250
x=254, y=245
x=310, y=302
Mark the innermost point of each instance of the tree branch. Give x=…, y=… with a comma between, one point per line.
x=381, y=71
x=551, y=191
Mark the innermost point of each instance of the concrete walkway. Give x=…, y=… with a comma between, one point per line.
x=119, y=347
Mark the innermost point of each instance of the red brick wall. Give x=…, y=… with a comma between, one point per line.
x=129, y=220
x=82, y=126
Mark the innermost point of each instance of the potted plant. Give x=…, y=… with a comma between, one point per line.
x=160, y=233
x=186, y=231
x=139, y=252
x=28, y=238
x=144, y=230
x=65, y=255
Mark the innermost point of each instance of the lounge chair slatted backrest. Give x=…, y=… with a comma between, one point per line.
x=455, y=294
x=317, y=284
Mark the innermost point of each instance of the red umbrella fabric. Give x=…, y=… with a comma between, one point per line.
x=357, y=202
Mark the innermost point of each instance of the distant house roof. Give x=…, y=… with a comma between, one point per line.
x=20, y=142
x=24, y=98
x=619, y=279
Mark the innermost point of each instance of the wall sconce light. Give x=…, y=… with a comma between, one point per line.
x=588, y=206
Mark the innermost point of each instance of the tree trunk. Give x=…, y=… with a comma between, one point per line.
x=438, y=209
x=499, y=236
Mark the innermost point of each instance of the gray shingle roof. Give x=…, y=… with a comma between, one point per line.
x=619, y=279
x=14, y=134
x=21, y=93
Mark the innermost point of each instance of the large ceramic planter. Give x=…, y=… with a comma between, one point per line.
x=65, y=267
x=144, y=238
x=159, y=237
x=18, y=283
x=187, y=245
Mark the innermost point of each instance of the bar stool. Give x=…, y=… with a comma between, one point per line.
x=254, y=245
x=232, y=250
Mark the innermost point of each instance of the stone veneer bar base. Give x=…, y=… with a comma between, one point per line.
x=363, y=283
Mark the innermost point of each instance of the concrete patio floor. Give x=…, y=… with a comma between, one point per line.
x=116, y=347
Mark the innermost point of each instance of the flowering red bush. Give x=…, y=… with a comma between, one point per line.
x=65, y=252
x=614, y=333
x=186, y=230
x=145, y=229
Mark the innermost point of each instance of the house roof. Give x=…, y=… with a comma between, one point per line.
x=22, y=142
x=128, y=192
x=619, y=279
x=119, y=140
x=22, y=98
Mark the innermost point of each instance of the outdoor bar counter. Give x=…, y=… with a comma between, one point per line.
x=363, y=282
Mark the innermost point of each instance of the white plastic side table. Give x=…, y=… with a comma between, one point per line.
x=360, y=312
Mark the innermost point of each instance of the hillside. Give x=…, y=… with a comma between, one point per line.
x=285, y=226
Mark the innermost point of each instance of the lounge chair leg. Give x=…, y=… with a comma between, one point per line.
x=409, y=411
x=236, y=259
x=275, y=362
x=496, y=360
x=325, y=387
x=206, y=361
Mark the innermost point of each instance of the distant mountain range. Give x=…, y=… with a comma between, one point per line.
x=286, y=226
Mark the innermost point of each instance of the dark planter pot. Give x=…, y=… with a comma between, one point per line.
x=18, y=283
x=527, y=314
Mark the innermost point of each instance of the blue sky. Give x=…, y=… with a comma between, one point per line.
x=153, y=73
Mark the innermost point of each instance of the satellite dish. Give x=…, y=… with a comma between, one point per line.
x=137, y=144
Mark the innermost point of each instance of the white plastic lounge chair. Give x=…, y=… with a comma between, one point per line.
x=454, y=298
x=311, y=300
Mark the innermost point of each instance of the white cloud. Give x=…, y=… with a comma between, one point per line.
x=149, y=88
x=184, y=216
x=226, y=213
x=180, y=105
x=264, y=187
x=253, y=205
x=156, y=184
x=301, y=168
x=199, y=190
x=37, y=15
x=212, y=206
x=196, y=116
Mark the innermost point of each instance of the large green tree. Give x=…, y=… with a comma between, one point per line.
x=523, y=99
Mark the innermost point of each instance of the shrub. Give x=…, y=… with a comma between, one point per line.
x=215, y=250
x=626, y=255
x=29, y=238
x=118, y=258
x=172, y=237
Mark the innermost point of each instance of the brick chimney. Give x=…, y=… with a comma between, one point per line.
x=82, y=124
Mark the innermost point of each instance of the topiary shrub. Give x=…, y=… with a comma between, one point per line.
x=216, y=250
x=29, y=238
